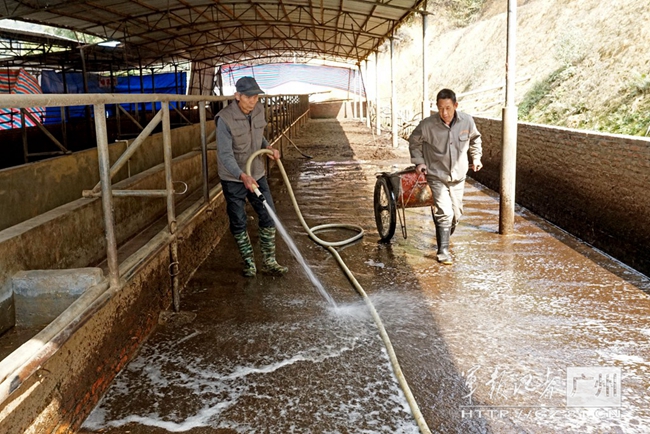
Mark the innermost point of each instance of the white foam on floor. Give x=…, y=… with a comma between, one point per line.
x=302, y=383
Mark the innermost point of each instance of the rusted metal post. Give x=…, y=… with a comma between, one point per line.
x=178, y=103
x=426, y=108
x=204, y=152
x=64, y=130
x=107, y=195
x=393, y=93
x=509, y=149
x=117, y=112
x=377, y=119
x=268, y=129
x=143, y=115
x=65, y=89
x=153, y=90
x=23, y=132
x=171, y=213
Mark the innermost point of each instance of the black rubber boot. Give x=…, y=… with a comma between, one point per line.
x=442, y=239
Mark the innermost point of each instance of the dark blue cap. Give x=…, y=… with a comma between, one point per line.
x=248, y=86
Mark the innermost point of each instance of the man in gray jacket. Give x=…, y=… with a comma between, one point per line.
x=240, y=133
x=439, y=146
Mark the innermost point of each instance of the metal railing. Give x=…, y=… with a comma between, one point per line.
x=282, y=111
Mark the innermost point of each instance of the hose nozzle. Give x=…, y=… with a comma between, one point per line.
x=259, y=194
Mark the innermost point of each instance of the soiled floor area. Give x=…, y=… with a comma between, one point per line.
x=531, y=333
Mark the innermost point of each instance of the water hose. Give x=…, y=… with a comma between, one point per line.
x=424, y=429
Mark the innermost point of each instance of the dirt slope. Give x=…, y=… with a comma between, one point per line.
x=589, y=60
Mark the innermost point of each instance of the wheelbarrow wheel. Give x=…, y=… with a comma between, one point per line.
x=385, y=214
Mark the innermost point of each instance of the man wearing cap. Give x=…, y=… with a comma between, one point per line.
x=240, y=133
x=439, y=146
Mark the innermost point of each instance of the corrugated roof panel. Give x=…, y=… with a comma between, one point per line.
x=155, y=28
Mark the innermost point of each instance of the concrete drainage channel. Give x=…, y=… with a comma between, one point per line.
x=53, y=380
x=40, y=296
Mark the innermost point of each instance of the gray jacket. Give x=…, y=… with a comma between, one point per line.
x=444, y=149
x=238, y=137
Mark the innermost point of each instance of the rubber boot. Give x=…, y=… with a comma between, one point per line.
x=246, y=250
x=267, y=245
x=442, y=239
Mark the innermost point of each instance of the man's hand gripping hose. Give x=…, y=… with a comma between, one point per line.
x=330, y=246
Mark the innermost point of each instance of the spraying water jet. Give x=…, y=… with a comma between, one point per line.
x=397, y=370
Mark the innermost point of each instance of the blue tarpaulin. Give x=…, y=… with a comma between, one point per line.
x=52, y=82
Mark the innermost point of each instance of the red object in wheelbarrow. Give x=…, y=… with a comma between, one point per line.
x=394, y=192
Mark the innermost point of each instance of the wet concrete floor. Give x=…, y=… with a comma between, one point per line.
x=532, y=333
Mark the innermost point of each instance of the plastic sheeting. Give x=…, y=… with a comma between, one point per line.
x=276, y=74
x=53, y=82
x=18, y=81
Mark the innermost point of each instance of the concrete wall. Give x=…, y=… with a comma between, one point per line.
x=72, y=235
x=69, y=384
x=26, y=191
x=59, y=396
x=596, y=186
x=341, y=109
x=97, y=344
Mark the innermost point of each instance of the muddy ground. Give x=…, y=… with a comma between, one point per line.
x=534, y=333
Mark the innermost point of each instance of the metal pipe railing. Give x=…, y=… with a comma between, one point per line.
x=125, y=193
x=107, y=196
x=27, y=360
x=171, y=212
x=57, y=100
x=204, y=152
x=130, y=150
x=281, y=114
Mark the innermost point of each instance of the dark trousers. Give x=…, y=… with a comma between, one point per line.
x=236, y=194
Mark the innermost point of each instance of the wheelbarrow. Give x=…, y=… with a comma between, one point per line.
x=394, y=192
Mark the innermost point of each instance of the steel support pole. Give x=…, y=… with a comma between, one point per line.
x=107, y=195
x=143, y=115
x=359, y=112
x=65, y=90
x=220, y=81
x=426, y=108
x=85, y=83
x=393, y=93
x=64, y=129
x=366, y=93
x=153, y=90
x=171, y=213
x=377, y=120
x=204, y=153
x=509, y=148
x=354, y=93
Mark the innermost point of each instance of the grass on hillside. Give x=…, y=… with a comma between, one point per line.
x=629, y=114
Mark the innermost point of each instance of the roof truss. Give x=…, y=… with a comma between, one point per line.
x=222, y=32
